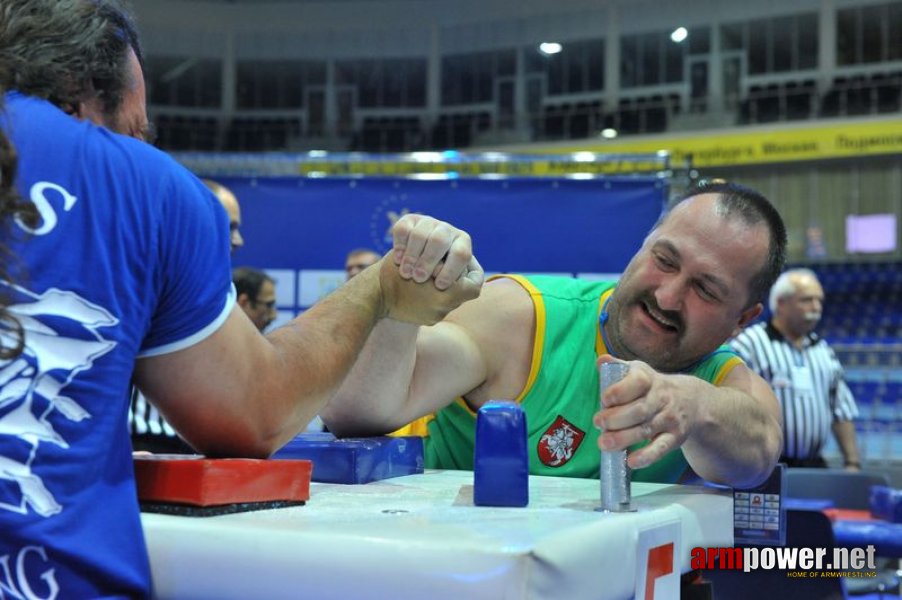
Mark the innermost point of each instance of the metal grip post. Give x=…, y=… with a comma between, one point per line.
x=615, y=474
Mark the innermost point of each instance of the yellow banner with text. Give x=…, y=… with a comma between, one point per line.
x=759, y=146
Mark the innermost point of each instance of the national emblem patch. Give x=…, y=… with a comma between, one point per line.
x=559, y=442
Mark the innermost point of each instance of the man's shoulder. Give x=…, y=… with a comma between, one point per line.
x=38, y=125
x=567, y=285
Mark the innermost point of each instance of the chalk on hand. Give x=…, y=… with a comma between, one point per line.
x=501, y=459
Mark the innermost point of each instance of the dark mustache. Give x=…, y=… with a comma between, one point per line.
x=670, y=315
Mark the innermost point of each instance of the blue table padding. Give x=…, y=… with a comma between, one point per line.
x=886, y=503
x=356, y=460
x=886, y=537
x=501, y=457
x=808, y=503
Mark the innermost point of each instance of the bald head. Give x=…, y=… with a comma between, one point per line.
x=797, y=302
x=230, y=203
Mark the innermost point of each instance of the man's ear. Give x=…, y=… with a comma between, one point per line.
x=89, y=110
x=747, y=316
x=244, y=300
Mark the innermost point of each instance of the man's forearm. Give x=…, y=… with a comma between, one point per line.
x=845, y=437
x=372, y=396
x=287, y=377
x=737, y=441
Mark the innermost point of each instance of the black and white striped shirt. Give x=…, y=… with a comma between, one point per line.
x=145, y=419
x=808, y=382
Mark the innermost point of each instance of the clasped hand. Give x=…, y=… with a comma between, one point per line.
x=425, y=248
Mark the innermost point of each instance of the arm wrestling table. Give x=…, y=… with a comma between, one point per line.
x=420, y=536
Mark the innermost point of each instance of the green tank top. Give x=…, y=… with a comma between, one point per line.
x=561, y=392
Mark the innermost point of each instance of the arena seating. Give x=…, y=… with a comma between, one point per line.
x=863, y=322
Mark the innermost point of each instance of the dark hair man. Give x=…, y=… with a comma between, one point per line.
x=687, y=404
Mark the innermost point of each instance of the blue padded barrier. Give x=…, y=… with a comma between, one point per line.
x=356, y=460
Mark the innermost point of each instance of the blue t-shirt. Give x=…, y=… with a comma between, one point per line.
x=130, y=258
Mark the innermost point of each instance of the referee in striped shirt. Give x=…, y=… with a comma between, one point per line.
x=804, y=372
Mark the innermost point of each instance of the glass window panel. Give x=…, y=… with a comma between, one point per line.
x=575, y=69
x=392, y=82
x=245, y=76
x=872, y=33
x=345, y=72
x=449, y=84
x=651, y=58
x=808, y=45
x=757, y=46
x=731, y=36
x=467, y=80
x=847, y=37
x=673, y=62
x=485, y=77
x=416, y=83
x=534, y=61
x=556, y=71
x=699, y=40
x=161, y=91
x=595, y=64
x=783, y=43
x=507, y=62
x=366, y=75
x=267, y=86
x=629, y=60
x=894, y=31
x=210, y=83
x=315, y=72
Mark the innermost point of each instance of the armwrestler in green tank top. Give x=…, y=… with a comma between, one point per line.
x=561, y=393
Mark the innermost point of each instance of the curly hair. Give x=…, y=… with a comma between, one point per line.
x=11, y=205
x=67, y=51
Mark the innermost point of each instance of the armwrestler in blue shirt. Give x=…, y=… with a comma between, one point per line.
x=127, y=271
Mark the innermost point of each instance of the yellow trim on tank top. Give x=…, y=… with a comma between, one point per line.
x=420, y=427
x=539, y=342
x=725, y=370
x=600, y=348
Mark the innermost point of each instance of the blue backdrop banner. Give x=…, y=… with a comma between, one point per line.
x=517, y=224
x=299, y=229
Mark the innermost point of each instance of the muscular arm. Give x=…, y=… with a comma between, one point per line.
x=730, y=434
x=405, y=372
x=739, y=435
x=242, y=394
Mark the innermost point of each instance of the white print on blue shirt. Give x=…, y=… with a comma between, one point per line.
x=14, y=579
x=42, y=203
x=32, y=384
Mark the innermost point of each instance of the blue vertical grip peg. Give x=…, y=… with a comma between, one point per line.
x=501, y=459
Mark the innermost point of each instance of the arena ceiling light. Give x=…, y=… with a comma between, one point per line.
x=679, y=34
x=549, y=48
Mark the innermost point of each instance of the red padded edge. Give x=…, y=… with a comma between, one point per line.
x=848, y=514
x=203, y=481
